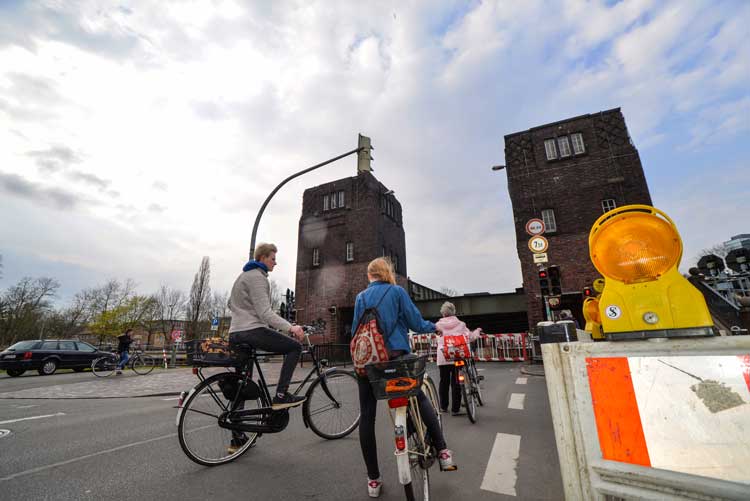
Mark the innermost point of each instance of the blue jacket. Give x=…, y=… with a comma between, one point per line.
x=397, y=314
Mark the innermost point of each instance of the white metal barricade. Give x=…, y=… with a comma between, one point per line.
x=512, y=347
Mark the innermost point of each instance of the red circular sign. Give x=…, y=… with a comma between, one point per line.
x=535, y=227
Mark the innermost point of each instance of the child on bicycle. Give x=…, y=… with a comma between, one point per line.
x=397, y=313
x=450, y=325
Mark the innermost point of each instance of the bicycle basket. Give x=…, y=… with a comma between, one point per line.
x=212, y=353
x=396, y=378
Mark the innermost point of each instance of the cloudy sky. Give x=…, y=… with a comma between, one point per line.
x=137, y=137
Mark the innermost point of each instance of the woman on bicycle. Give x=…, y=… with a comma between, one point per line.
x=397, y=314
x=450, y=325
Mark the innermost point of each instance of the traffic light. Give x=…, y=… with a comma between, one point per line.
x=544, y=282
x=364, y=155
x=588, y=292
x=554, y=280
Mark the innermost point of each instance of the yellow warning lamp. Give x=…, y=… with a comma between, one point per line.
x=593, y=317
x=638, y=249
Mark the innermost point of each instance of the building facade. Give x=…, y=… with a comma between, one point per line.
x=568, y=173
x=344, y=225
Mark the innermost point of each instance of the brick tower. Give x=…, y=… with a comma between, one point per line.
x=344, y=225
x=568, y=173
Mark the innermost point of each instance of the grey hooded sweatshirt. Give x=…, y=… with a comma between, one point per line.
x=250, y=303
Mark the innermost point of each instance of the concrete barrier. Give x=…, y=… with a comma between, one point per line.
x=671, y=418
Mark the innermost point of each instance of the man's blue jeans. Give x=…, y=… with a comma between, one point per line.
x=123, y=360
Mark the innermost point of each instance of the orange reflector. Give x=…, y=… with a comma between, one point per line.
x=398, y=402
x=637, y=244
x=459, y=363
x=400, y=443
x=195, y=370
x=461, y=378
x=400, y=384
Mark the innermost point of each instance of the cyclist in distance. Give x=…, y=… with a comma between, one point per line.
x=397, y=314
x=123, y=345
x=253, y=321
x=450, y=325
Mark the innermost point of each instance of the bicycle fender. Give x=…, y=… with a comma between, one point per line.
x=181, y=408
x=323, y=385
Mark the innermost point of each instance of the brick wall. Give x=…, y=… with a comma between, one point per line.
x=574, y=188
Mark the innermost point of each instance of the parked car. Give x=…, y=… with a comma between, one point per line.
x=48, y=355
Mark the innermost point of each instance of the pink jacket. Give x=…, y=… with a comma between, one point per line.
x=452, y=326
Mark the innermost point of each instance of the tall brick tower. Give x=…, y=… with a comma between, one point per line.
x=568, y=173
x=344, y=225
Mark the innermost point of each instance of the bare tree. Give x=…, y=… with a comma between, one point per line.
x=275, y=295
x=199, y=301
x=449, y=292
x=24, y=307
x=170, y=310
x=220, y=309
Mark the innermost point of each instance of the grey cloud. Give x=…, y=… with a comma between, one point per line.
x=25, y=23
x=54, y=158
x=90, y=179
x=156, y=208
x=29, y=97
x=18, y=186
x=160, y=185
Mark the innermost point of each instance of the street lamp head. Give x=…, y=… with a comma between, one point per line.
x=389, y=192
x=498, y=167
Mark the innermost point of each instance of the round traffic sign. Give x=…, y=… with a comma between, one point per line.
x=538, y=244
x=535, y=227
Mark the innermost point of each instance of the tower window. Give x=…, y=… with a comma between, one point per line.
x=548, y=216
x=341, y=199
x=326, y=205
x=549, y=149
x=349, y=252
x=316, y=257
x=564, y=146
x=578, y=146
x=608, y=204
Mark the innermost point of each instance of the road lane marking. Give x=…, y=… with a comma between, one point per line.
x=172, y=398
x=521, y=380
x=500, y=475
x=32, y=417
x=516, y=401
x=25, y=406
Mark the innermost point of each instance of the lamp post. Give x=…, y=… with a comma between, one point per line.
x=364, y=146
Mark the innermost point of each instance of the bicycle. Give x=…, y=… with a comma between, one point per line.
x=139, y=362
x=399, y=381
x=471, y=392
x=212, y=415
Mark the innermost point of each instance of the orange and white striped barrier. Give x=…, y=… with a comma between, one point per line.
x=513, y=347
x=671, y=419
x=689, y=414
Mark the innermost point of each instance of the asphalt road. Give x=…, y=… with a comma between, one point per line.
x=126, y=448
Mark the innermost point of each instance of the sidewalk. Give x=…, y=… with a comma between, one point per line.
x=159, y=383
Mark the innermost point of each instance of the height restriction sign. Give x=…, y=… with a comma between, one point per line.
x=538, y=244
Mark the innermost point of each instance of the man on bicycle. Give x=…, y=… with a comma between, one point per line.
x=123, y=345
x=253, y=321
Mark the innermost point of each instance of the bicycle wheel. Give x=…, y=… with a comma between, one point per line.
x=198, y=430
x=419, y=487
x=476, y=388
x=468, y=395
x=428, y=387
x=329, y=419
x=104, y=366
x=142, y=364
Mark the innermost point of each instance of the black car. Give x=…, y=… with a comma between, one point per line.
x=48, y=355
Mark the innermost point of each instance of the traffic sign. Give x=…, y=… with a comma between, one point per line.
x=535, y=227
x=540, y=257
x=538, y=244
x=214, y=324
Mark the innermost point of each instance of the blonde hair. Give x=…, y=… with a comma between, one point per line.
x=381, y=269
x=263, y=250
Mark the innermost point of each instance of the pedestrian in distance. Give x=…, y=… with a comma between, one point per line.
x=254, y=322
x=450, y=325
x=124, y=341
x=397, y=314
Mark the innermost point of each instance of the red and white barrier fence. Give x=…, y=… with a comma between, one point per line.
x=513, y=347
